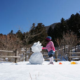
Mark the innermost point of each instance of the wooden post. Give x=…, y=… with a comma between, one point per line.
x=25, y=55
x=29, y=52
x=64, y=46
x=69, y=56
x=56, y=56
x=16, y=54
x=75, y=48
x=69, y=48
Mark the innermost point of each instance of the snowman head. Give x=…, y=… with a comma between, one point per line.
x=36, y=47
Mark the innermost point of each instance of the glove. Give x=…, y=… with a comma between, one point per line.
x=42, y=47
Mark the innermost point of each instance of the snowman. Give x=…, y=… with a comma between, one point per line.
x=36, y=57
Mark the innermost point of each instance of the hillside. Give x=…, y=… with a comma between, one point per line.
x=52, y=25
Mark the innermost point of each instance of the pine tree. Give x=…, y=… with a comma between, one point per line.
x=50, y=31
x=19, y=35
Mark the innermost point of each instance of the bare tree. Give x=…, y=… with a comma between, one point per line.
x=31, y=34
x=69, y=40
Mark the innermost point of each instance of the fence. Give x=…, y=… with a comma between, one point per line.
x=74, y=56
x=24, y=55
x=45, y=55
x=15, y=52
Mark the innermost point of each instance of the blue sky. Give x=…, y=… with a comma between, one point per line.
x=20, y=14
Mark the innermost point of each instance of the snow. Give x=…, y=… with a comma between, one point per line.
x=27, y=71
x=36, y=47
x=36, y=57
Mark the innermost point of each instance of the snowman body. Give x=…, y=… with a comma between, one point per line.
x=36, y=57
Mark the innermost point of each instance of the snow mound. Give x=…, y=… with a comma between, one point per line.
x=36, y=47
x=36, y=57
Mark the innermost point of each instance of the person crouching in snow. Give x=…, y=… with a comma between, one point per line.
x=51, y=49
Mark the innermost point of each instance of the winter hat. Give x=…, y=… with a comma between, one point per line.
x=49, y=38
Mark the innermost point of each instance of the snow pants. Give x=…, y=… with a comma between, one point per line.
x=51, y=53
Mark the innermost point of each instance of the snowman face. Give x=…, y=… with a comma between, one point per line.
x=36, y=47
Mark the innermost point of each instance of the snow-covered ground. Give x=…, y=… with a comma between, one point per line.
x=27, y=71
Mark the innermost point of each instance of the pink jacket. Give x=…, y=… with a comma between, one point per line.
x=49, y=46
